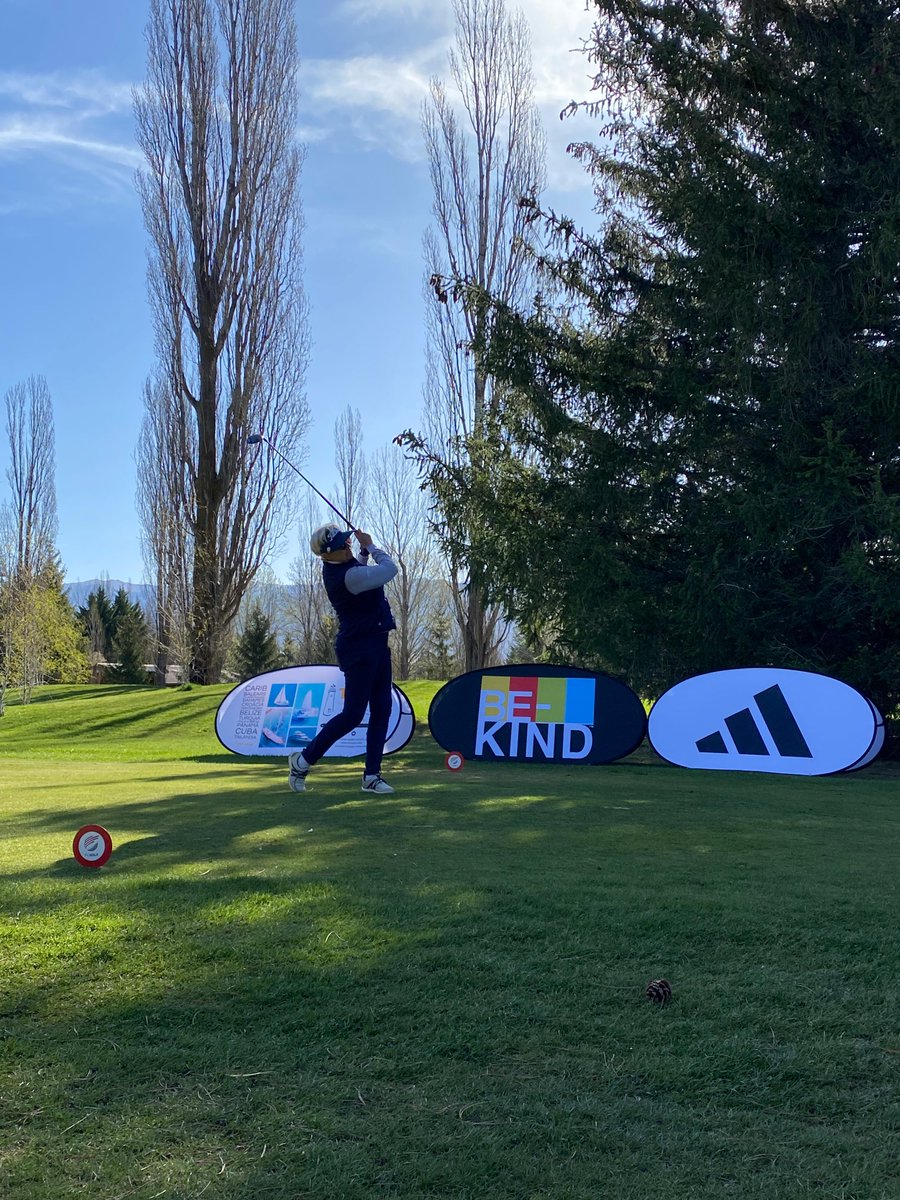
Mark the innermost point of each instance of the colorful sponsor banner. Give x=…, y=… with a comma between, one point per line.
x=282, y=711
x=537, y=713
x=765, y=719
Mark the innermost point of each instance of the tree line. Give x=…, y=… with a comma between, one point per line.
x=664, y=445
x=110, y=639
x=220, y=193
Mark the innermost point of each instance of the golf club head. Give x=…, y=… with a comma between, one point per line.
x=253, y=439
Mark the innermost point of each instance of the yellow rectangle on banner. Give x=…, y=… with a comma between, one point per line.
x=551, y=700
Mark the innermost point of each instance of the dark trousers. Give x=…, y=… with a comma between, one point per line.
x=366, y=663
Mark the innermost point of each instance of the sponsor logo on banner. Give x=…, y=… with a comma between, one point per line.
x=282, y=711
x=537, y=713
x=765, y=719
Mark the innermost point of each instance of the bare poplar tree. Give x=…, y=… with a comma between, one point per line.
x=265, y=593
x=8, y=598
x=166, y=539
x=37, y=635
x=486, y=152
x=216, y=121
x=308, y=611
x=350, y=461
x=400, y=524
x=32, y=474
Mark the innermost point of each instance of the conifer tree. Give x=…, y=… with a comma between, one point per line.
x=256, y=648
x=700, y=432
x=98, y=623
x=131, y=642
x=290, y=653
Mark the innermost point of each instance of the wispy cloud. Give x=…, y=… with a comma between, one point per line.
x=375, y=99
x=85, y=94
x=79, y=124
x=20, y=135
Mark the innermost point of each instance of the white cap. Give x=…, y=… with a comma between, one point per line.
x=320, y=539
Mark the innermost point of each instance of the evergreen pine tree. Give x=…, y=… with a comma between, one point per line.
x=439, y=660
x=322, y=642
x=290, y=653
x=121, y=607
x=131, y=645
x=256, y=648
x=98, y=623
x=701, y=436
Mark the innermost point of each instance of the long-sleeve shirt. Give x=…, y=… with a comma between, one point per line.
x=364, y=578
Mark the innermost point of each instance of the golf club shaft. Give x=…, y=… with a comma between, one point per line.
x=297, y=471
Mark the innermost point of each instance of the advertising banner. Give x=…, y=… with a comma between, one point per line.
x=282, y=711
x=877, y=744
x=767, y=719
x=537, y=713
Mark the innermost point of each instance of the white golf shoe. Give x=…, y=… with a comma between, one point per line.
x=299, y=771
x=374, y=783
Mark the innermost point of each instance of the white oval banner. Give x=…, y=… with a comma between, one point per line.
x=877, y=744
x=282, y=711
x=768, y=719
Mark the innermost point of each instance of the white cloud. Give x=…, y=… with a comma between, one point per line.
x=20, y=135
x=85, y=94
x=80, y=123
x=376, y=98
x=395, y=86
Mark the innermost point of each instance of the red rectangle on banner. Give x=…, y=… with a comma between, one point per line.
x=522, y=699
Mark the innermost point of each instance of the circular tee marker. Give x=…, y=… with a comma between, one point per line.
x=92, y=846
x=455, y=761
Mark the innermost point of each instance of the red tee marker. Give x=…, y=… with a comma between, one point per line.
x=92, y=846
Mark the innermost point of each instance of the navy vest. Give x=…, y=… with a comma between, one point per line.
x=358, y=615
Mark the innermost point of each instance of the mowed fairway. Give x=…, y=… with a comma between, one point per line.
x=438, y=994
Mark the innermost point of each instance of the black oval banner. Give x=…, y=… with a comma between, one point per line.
x=537, y=712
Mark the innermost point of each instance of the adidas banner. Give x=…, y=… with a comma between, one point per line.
x=768, y=719
x=282, y=711
x=537, y=713
x=877, y=744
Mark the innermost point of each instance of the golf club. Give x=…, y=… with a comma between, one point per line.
x=254, y=439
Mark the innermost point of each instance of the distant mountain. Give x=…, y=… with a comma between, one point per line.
x=143, y=593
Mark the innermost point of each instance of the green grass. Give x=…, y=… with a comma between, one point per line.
x=438, y=994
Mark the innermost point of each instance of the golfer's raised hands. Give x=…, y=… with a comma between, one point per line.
x=364, y=539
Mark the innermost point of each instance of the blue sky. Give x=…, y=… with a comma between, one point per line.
x=73, y=298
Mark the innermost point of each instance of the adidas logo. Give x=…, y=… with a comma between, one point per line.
x=744, y=731
x=765, y=719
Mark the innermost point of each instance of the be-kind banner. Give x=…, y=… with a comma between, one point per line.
x=537, y=713
x=282, y=711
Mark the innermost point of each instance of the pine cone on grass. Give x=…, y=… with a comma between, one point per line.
x=659, y=991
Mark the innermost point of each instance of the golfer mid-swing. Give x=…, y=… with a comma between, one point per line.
x=356, y=592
